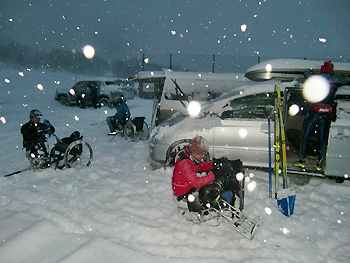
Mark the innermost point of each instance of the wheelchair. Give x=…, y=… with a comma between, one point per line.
x=135, y=128
x=70, y=152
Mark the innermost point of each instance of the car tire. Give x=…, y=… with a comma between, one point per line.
x=63, y=100
x=104, y=102
x=177, y=147
x=174, y=149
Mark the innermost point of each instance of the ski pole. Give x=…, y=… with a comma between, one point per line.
x=19, y=171
x=99, y=123
x=58, y=139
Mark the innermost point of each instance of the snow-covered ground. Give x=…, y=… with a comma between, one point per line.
x=121, y=210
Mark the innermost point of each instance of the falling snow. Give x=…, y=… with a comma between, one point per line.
x=121, y=210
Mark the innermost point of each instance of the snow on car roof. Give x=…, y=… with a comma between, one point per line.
x=150, y=74
x=205, y=75
x=198, y=82
x=298, y=64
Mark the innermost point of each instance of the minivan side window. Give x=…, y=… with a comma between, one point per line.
x=250, y=107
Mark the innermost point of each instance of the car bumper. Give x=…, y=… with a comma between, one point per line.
x=157, y=151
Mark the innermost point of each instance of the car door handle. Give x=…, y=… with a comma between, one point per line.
x=265, y=129
x=340, y=136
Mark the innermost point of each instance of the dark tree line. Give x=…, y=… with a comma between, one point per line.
x=17, y=55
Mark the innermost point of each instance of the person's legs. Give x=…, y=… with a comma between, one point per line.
x=309, y=124
x=111, y=123
x=323, y=125
x=228, y=197
x=38, y=156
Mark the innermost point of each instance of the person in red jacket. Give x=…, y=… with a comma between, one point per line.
x=189, y=164
x=186, y=180
x=197, y=184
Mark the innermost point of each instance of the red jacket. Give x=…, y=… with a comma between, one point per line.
x=185, y=174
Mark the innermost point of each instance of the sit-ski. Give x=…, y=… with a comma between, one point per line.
x=229, y=214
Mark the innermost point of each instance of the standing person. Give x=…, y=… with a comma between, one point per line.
x=81, y=100
x=320, y=115
x=33, y=133
x=94, y=90
x=120, y=118
x=185, y=180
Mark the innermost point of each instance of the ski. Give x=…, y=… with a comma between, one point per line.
x=277, y=145
x=283, y=137
x=280, y=142
x=235, y=218
x=242, y=223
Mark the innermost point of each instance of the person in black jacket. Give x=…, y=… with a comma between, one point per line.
x=319, y=115
x=33, y=133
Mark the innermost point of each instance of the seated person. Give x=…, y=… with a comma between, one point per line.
x=207, y=188
x=33, y=133
x=120, y=118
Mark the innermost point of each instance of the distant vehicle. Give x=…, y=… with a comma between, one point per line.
x=236, y=126
x=107, y=92
x=182, y=87
x=150, y=83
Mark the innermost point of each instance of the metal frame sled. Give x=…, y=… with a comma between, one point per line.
x=229, y=214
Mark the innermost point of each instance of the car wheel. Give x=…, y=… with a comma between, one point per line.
x=104, y=102
x=63, y=100
x=174, y=149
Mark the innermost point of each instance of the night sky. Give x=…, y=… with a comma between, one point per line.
x=121, y=29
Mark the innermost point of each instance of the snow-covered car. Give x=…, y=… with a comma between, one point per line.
x=107, y=92
x=237, y=126
x=181, y=87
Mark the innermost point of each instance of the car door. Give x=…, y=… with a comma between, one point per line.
x=243, y=133
x=338, y=154
x=89, y=88
x=77, y=90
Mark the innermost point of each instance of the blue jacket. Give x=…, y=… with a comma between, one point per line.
x=123, y=112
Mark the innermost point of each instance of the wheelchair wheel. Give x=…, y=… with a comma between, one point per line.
x=129, y=131
x=144, y=133
x=78, y=154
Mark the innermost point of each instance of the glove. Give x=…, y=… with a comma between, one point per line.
x=210, y=194
x=216, y=162
x=47, y=127
x=222, y=168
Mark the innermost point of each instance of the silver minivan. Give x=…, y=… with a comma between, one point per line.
x=236, y=126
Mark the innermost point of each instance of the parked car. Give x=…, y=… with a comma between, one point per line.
x=236, y=126
x=107, y=92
